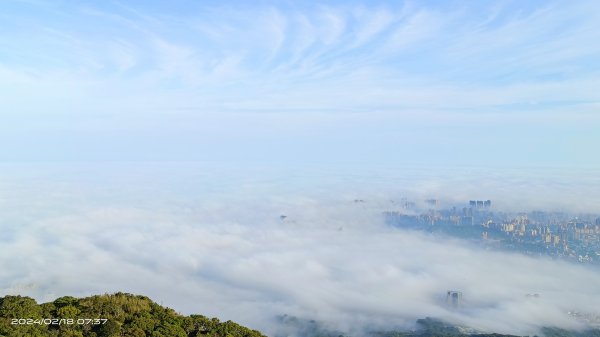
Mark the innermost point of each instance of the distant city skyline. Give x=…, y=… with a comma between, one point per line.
x=499, y=83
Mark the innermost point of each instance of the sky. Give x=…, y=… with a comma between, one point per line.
x=445, y=83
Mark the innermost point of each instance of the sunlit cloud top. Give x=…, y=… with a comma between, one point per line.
x=336, y=81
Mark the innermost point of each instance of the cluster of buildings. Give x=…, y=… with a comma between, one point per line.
x=557, y=234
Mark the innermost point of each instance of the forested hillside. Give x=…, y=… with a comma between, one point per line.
x=118, y=314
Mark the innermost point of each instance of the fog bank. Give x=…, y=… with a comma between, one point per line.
x=211, y=241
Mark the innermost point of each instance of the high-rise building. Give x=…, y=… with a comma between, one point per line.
x=522, y=229
x=480, y=203
x=432, y=202
x=468, y=211
x=454, y=298
x=556, y=239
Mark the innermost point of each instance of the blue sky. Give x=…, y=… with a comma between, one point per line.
x=445, y=83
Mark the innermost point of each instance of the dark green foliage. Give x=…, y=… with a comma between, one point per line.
x=64, y=301
x=110, y=329
x=128, y=315
x=433, y=327
x=307, y=328
x=430, y=327
x=435, y=333
x=18, y=306
x=557, y=332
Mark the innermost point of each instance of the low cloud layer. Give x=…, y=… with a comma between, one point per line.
x=209, y=241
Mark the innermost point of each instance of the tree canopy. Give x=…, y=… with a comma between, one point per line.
x=122, y=315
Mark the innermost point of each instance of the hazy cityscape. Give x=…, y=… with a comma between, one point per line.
x=299, y=168
x=561, y=235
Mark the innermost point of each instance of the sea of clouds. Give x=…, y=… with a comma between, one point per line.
x=210, y=239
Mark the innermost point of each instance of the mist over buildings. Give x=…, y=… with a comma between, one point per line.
x=303, y=109
x=212, y=240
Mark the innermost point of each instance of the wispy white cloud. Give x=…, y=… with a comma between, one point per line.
x=371, y=24
x=415, y=30
x=332, y=25
x=422, y=62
